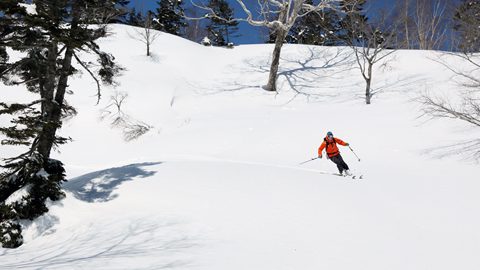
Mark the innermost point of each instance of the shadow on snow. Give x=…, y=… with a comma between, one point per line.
x=98, y=186
x=151, y=244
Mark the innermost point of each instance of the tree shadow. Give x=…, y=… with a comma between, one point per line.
x=468, y=150
x=98, y=186
x=307, y=76
x=311, y=72
x=158, y=244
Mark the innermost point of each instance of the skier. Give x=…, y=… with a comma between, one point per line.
x=330, y=145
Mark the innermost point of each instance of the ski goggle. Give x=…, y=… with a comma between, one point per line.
x=330, y=136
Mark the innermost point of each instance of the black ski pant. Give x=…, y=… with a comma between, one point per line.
x=341, y=165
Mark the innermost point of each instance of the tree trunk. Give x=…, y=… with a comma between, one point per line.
x=368, y=96
x=272, y=78
x=47, y=94
x=52, y=117
x=407, y=34
x=226, y=33
x=368, y=80
x=48, y=88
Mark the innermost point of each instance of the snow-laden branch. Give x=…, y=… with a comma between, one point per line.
x=292, y=9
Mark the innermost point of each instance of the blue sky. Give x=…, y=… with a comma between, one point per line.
x=249, y=34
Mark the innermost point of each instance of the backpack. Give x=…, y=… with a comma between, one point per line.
x=327, y=142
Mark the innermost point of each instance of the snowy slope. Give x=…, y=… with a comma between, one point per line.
x=215, y=184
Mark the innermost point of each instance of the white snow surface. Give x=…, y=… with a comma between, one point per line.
x=18, y=195
x=215, y=184
x=31, y=8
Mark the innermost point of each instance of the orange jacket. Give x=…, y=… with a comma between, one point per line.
x=332, y=149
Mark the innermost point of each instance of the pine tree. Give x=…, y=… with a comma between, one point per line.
x=135, y=18
x=123, y=12
x=353, y=22
x=221, y=30
x=316, y=28
x=49, y=40
x=467, y=26
x=170, y=17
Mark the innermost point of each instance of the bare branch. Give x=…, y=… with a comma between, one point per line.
x=467, y=109
x=131, y=128
x=99, y=94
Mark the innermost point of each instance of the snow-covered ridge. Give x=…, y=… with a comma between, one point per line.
x=215, y=183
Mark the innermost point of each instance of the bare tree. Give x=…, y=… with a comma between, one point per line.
x=430, y=32
x=285, y=12
x=370, y=43
x=467, y=76
x=131, y=128
x=196, y=30
x=147, y=35
x=423, y=24
x=464, y=106
x=404, y=21
x=467, y=110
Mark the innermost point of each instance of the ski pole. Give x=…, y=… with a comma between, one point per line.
x=308, y=161
x=354, y=153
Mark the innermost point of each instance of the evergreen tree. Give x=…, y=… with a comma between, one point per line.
x=123, y=12
x=221, y=30
x=467, y=25
x=316, y=28
x=48, y=40
x=135, y=18
x=353, y=22
x=170, y=17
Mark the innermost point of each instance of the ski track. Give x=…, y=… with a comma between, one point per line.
x=260, y=164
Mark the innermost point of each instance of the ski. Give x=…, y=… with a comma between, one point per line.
x=351, y=176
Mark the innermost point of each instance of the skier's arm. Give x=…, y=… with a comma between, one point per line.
x=320, y=149
x=341, y=142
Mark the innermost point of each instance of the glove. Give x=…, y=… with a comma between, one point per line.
x=319, y=156
x=347, y=144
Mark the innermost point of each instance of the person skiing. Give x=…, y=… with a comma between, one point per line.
x=330, y=145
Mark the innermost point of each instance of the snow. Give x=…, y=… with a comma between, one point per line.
x=206, y=41
x=43, y=173
x=31, y=8
x=215, y=184
x=8, y=238
x=18, y=195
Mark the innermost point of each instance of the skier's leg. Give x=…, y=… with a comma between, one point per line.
x=338, y=163
x=344, y=165
x=342, y=162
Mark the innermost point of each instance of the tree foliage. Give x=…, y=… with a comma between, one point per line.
x=170, y=17
x=467, y=25
x=222, y=26
x=317, y=28
x=49, y=37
